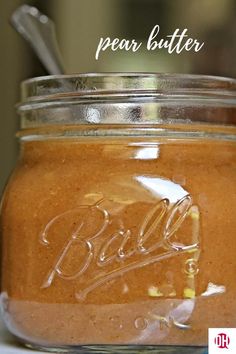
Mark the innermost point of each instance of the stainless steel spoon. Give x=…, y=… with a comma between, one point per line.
x=39, y=31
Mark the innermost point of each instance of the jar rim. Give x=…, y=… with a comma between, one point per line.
x=122, y=82
x=127, y=98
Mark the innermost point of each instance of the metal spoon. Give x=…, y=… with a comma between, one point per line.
x=39, y=31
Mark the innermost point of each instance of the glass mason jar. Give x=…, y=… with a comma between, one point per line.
x=118, y=223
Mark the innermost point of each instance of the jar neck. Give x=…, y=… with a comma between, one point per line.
x=159, y=132
x=127, y=99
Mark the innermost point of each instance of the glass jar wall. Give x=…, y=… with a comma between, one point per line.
x=117, y=224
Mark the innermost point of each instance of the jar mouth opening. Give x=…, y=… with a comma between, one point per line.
x=133, y=75
x=126, y=83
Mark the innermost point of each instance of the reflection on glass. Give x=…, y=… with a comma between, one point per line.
x=162, y=188
x=147, y=153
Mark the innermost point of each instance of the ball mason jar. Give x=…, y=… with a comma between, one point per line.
x=118, y=222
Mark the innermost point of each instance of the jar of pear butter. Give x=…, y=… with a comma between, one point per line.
x=118, y=223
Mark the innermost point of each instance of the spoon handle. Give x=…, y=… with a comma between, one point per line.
x=39, y=31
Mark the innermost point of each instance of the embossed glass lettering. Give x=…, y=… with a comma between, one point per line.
x=106, y=245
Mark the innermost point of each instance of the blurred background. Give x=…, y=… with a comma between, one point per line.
x=81, y=23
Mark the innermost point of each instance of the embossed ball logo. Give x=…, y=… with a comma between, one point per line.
x=97, y=243
x=222, y=341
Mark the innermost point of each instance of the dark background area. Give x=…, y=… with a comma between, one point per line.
x=81, y=23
